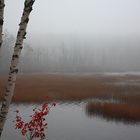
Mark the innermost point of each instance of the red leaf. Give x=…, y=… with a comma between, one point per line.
x=54, y=104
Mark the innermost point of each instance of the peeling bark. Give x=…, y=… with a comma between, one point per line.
x=2, y=5
x=14, y=63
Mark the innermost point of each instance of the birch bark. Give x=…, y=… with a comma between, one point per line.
x=2, y=5
x=14, y=62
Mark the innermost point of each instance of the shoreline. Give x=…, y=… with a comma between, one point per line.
x=36, y=87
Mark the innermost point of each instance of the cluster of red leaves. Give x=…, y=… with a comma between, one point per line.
x=37, y=125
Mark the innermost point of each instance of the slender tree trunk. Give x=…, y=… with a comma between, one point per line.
x=14, y=63
x=2, y=5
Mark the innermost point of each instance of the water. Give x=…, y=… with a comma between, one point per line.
x=71, y=121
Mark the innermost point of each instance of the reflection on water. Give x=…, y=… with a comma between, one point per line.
x=68, y=121
x=118, y=112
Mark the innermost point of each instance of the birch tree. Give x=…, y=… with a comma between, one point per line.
x=2, y=5
x=14, y=62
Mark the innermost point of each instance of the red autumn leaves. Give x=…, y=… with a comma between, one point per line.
x=37, y=125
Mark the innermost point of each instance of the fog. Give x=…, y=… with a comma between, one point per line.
x=76, y=36
x=71, y=53
x=105, y=17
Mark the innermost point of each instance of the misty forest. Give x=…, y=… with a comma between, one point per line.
x=75, y=54
x=69, y=70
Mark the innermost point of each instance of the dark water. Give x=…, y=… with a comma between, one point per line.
x=71, y=121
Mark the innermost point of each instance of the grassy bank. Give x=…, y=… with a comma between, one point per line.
x=36, y=87
x=115, y=111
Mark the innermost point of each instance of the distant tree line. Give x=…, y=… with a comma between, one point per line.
x=75, y=55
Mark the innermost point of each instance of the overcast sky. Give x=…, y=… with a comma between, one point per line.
x=105, y=17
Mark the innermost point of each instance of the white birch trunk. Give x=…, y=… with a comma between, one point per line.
x=14, y=63
x=2, y=5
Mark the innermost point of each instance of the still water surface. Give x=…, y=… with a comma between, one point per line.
x=70, y=121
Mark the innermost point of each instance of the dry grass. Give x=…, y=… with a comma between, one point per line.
x=63, y=87
x=111, y=111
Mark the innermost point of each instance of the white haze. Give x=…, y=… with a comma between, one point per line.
x=99, y=17
x=78, y=35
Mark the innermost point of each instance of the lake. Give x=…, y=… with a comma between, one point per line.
x=74, y=121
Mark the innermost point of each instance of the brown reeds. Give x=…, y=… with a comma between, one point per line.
x=127, y=113
x=37, y=87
